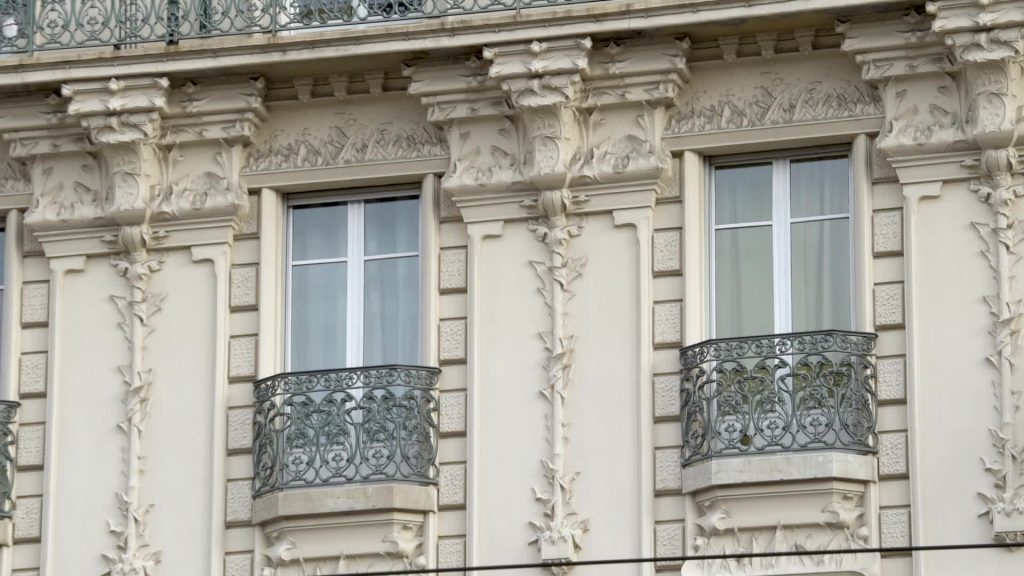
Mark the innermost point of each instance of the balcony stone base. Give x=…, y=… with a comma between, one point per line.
x=781, y=467
x=781, y=503
x=343, y=529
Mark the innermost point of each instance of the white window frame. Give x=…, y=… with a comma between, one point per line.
x=355, y=260
x=781, y=223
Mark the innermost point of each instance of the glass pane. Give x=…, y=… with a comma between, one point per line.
x=319, y=231
x=392, y=226
x=3, y=249
x=819, y=187
x=744, y=293
x=821, y=275
x=743, y=194
x=391, y=317
x=318, y=317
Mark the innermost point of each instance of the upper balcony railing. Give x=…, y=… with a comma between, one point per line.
x=8, y=414
x=345, y=426
x=32, y=25
x=766, y=394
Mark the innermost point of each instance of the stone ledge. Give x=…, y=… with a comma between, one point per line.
x=760, y=468
x=320, y=500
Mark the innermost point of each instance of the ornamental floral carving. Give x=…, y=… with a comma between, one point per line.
x=560, y=532
x=403, y=551
x=1001, y=184
x=775, y=100
x=135, y=263
x=846, y=528
x=345, y=138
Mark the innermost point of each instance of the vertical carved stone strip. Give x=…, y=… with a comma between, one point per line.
x=1000, y=185
x=134, y=556
x=559, y=534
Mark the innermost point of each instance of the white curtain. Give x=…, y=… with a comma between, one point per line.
x=820, y=255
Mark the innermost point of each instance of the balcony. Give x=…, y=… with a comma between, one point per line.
x=342, y=427
x=38, y=25
x=779, y=394
x=8, y=415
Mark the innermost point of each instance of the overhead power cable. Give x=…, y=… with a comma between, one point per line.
x=694, y=558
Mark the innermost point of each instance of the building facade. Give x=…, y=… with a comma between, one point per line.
x=297, y=288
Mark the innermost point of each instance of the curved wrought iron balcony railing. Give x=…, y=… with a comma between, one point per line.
x=345, y=426
x=767, y=394
x=8, y=415
x=30, y=25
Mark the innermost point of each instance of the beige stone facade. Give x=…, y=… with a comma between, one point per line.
x=215, y=223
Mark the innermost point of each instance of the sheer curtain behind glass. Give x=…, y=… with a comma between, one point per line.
x=744, y=284
x=782, y=247
x=318, y=292
x=354, y=284
x=820, y=240
x=392, y=282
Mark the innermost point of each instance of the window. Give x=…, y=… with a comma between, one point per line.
x=781, y=250
x=353, y=283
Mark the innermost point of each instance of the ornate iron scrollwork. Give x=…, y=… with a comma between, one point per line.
x=8, y=415
x=802, y=391
x=345, y=426
x=55, y=24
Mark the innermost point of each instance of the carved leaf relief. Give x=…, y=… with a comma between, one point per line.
x=346, y=138
x=774, y=99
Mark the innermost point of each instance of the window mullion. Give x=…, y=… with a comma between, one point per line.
x=783, y=249
x=288, y=291
x=353, y=339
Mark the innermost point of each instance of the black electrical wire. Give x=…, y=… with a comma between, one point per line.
x=695, y=558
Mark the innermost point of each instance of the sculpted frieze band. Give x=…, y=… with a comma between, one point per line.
x=343, y=138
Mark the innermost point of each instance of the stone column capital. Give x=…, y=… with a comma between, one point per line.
x=134, y=151
x=555, y=115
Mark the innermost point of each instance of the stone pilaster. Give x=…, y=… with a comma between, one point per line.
x=987, y=40
x=562, y=129
x=134, y=168
x=953, y=81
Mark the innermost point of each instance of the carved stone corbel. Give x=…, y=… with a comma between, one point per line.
x=918, y=81
x=543, y=82
x=630, y=91
x=475, y=116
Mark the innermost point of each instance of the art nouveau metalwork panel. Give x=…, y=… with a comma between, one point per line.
x=803, y=391
x=345, y=426
x=28, y=25
x=8, y=414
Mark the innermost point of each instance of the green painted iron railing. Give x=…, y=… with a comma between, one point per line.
x=779, y=393
x=8, y=415
x=345, y=426
x=31, y=25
